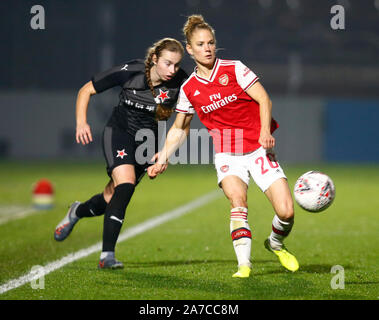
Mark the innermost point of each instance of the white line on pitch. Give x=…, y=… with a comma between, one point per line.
x=8, y=213
x=127, y=234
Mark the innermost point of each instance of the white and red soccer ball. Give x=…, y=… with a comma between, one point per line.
x=314, y=191
x=43, y=194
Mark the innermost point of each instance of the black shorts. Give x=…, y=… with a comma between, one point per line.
x=120, y=148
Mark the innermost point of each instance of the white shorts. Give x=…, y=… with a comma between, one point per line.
x=261, y=165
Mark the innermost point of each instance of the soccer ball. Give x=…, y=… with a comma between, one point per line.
x=314, y=191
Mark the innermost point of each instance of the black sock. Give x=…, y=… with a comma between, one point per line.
x=92, y=207
x=115, y=213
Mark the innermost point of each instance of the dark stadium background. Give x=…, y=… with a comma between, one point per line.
x=323, y=82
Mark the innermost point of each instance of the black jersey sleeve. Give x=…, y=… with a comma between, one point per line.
x=116, y=76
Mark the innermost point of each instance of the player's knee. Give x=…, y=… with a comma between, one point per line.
x=238, y=200
x=123, y=174
x=286, y=211
x=122, y=180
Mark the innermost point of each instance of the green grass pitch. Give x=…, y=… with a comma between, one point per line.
x=191, y=257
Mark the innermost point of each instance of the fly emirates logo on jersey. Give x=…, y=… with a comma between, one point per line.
x=218, y=102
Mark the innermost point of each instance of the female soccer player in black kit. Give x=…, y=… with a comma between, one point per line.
x=149, y=92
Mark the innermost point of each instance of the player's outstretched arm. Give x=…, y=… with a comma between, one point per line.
x=83, y=130
x=259, y=94
x=175, y=138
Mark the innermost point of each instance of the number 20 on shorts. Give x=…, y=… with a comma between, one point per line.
x=262, y=162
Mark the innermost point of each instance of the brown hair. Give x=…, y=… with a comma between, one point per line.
x=196, y=21
x=170, y=44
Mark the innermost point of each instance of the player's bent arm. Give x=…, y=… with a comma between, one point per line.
x=259, y=94
x=82, y=101
x=83, y=131
x=175, y=136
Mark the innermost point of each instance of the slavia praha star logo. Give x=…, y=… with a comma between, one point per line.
x=121, y=153
x=163, y=95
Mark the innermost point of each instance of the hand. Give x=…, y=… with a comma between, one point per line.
x=266, y=140
x=83, y=134
x=151, y=172
x=155, y=159
x=156, y=169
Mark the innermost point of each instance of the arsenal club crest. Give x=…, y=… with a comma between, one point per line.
x=224, y=79
x=224, y=168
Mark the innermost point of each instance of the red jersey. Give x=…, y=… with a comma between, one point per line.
x=227, y=111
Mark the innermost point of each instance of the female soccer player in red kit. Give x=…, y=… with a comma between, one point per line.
x=233, y=105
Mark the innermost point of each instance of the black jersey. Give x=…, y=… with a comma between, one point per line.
x=137, y=106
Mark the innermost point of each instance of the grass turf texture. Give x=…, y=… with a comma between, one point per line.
x=191, y=257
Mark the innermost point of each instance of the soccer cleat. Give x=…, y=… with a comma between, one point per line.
x=65, y=227
x=110, y=264
x=287, y=260
x=243, y=272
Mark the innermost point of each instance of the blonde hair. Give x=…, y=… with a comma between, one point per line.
x=170, y=44
x=196, y=21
